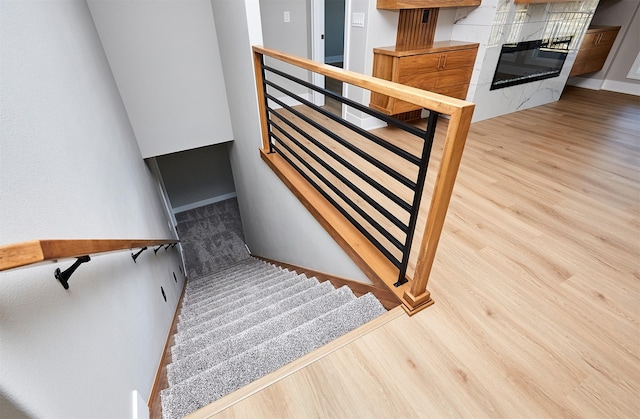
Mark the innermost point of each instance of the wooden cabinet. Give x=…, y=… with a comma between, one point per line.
x=594, y=49
x=423, y=4
x=445, y=68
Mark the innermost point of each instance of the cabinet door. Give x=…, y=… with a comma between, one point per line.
x=593, y=51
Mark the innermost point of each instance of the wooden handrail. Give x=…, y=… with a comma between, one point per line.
x=415, y=297
x=37, y=251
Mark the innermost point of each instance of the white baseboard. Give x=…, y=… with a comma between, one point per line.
x=204, y=202
x=593, y=84
x=367, y=122
x=610, y=85
x=622, y=87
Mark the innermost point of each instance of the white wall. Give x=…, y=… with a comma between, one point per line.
x=70, y=168
x=613, y=75
x=276, y=225
x=164, y=57
x=379, y=30
x=293, y=37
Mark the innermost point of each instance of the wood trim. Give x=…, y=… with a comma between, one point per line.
x=237, y=396
x=434, y=101
x=388, y=299
x=27, y=253
x=257, y=66
x=457, y=131
x=161, y=381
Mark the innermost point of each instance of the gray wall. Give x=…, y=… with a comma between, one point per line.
x=334, y=28
x=197, y=177
x=276, y=225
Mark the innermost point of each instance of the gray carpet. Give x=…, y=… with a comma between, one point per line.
x=211, y=237
x=250, y=319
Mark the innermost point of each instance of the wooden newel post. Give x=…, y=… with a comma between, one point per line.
x=452, y=154
x=257, y=66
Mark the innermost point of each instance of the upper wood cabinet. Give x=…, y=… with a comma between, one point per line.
x=594, y=49
x=423, y=4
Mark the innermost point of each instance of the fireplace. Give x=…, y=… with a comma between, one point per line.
x=529, y=61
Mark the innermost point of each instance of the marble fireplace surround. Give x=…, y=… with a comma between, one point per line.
x=497, y=22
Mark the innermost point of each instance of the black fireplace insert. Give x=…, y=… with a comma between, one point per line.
x=529, y=61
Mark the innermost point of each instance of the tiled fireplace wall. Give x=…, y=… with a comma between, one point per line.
x=496, y=22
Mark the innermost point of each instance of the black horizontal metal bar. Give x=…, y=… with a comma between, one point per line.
x=341, y=194
x=386, y=192
x=389, y=171
x=355, y=223
x=376, y=114
x=385, y=213
x=353, y=127
x=377, y=163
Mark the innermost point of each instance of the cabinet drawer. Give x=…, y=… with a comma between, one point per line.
x=438, y=79
x=419, y=64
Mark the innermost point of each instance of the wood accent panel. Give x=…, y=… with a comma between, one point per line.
x=536, y=280
x=386, y=297
x=423, y=4
x=161, y=382
x=412, y=31
x=36, y=251
x=594, y=49
x=445, y=68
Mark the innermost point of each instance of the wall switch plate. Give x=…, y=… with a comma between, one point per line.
x=357, y=20
x=287, y=16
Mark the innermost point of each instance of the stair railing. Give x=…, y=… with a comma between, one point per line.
x=364, y=188
x=19, y=255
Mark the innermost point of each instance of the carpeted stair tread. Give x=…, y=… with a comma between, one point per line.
x=236, y=269
x=226, y=278
x=231, y=282
x=248, y=288
x=217, y=317
x=199, y=390
x=202, y=335
x=286, y=299
x=207, y=314
x=246, y=339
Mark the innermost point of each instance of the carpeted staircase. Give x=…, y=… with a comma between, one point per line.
x=247, y=320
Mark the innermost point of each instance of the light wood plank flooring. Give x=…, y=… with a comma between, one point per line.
x=536, y=283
